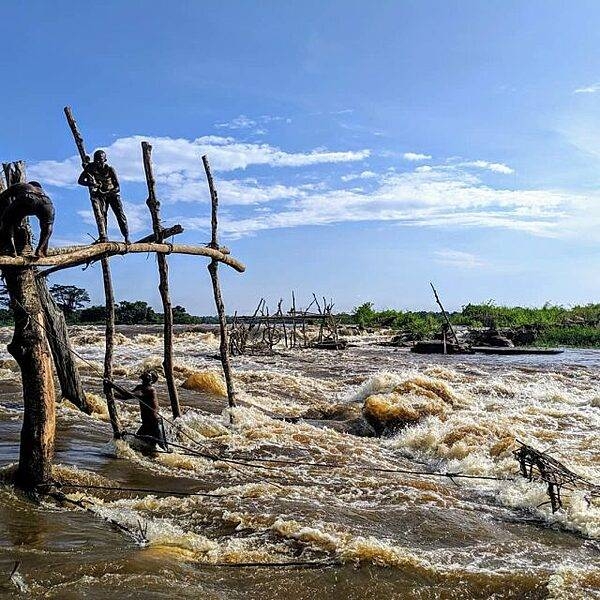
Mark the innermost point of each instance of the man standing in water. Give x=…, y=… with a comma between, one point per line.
x=25, y=200
x=151, y=432
x=102, y=180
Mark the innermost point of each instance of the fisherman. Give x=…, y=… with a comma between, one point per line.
x=102, y=180
x=22, y=200
x=151, y=432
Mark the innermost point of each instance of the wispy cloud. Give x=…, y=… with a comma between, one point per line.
x=257, y=124
x=490, y=166
x=458, y=259
x=415, y=156
x=590, y=89
x=435, y=198
x=177, y=160
x=240, y=122
x=363, y=175
x=450, y=195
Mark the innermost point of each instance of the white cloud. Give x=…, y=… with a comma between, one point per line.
x=240, y=122
x=180, y=158
x=416, y=156
x=458, y=259
x=363, y=175
x=484, y=164
x=436, y=198
x=590, y=89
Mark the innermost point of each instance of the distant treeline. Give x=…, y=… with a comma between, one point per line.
x=73, y=302
x=552, y=325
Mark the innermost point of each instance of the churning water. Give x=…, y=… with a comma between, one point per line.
x=377, y=534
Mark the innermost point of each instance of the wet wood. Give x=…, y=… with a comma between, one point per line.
x=444, y=314
x=163, y=287
x=81, y=255
x=58, y=337
x=29, y=347
x=164, y=234
x=214, y=276
x=109, y=296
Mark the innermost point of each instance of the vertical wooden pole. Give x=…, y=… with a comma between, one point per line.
x=294, y=332
x=214, y=275
x=109, y=295
x=29, y=347
x=163, y=287
x=445, y=314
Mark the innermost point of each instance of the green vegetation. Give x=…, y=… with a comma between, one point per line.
x=73, y=300
x=547, y=326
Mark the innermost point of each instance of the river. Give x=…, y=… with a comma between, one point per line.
x=371, y=534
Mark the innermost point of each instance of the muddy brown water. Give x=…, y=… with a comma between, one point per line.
x=379, y=535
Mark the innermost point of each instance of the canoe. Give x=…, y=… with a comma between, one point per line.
x=437, y=347
x=330, y=345
x=515, y=350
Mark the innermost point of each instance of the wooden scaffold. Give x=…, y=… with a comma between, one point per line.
x=262, y=331
x=40, y=335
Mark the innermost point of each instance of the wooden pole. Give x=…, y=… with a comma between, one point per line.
x=29, y=347
x=214, y=276
x=163, y=286
x=164, y=234
x=73, y=256
x=294, y=334
x=445, y=315
x=109, y=295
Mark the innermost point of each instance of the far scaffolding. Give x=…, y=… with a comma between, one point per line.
x=313, y=327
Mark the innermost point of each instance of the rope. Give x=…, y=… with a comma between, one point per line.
x=136, y=489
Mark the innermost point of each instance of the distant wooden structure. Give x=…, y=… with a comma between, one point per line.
x=262, y=331
x=38, y=325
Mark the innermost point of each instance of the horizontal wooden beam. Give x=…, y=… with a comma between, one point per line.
x=64, y=258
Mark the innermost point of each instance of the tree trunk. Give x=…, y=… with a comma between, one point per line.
x=60, y=345
x=29, y=347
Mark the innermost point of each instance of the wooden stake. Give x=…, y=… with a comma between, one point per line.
x=163, y=287
x=445, y=315
x=109, y=295
x=294, y=334
x=164, y=234
x=214, y=276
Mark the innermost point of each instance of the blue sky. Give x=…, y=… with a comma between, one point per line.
x=360, y=151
